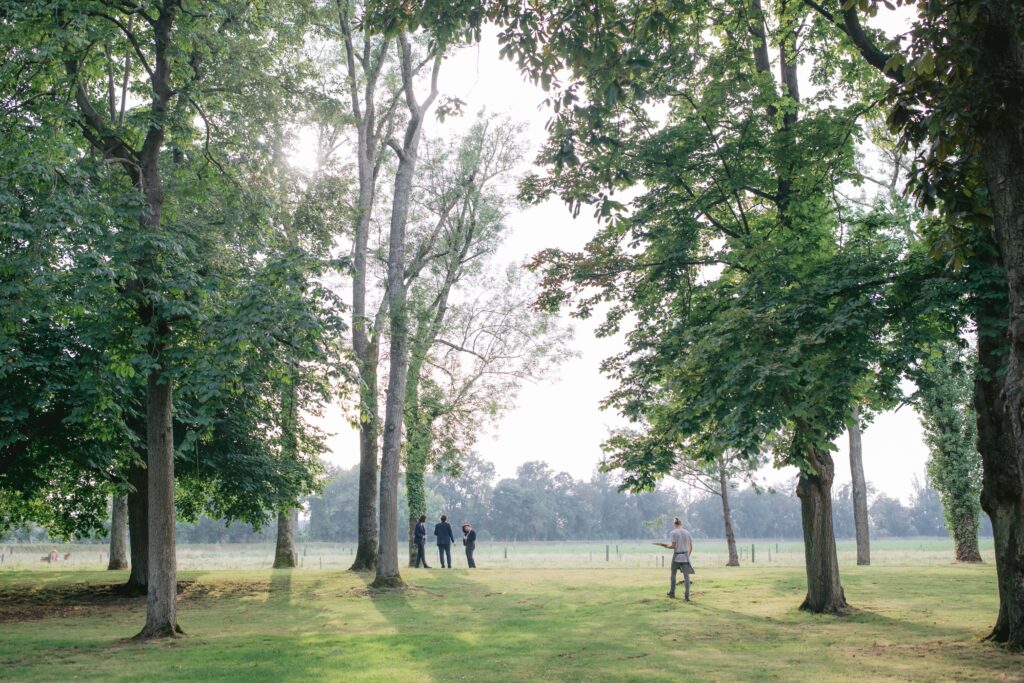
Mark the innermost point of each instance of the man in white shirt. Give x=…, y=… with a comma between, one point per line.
x=681, y=544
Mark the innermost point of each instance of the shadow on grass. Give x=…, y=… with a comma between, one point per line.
x=67, y=593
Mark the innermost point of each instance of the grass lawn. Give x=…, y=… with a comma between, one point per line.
x=505, y=624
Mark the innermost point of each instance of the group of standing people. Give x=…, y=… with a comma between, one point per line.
x=679, y=542
x=445, y=538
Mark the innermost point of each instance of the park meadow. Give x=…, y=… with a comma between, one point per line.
x=356, y=276
x=547, y=611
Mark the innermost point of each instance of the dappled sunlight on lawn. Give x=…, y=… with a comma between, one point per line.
x=495, y=624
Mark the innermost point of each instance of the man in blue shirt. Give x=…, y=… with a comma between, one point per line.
x=445, y=538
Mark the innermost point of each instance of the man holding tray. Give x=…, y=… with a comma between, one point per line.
x=681, y=544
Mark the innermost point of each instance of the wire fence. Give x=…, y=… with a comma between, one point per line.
x=516, y=555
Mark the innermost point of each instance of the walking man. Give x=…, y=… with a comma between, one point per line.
x=681, y=544
x=469, y=540
x=421, y=542
x=445, y=538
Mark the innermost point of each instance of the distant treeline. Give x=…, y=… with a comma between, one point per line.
x=539, y=504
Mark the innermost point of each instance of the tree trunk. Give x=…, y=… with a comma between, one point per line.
x=287, y=521
x=413, y=519
x=387, y=548
x=394, y=410
x=364, y=344
x=366, y=548
x=730, y=537
x=1002, y=138
x=138, y=529
x=161, y=598
x=824, y=591
x=364, y=348
x=860, y=490
x=418, y=438
x=118, y=533
x=996, y=447
x=285, y=555
x=965, y=538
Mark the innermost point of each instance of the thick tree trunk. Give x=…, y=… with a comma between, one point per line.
x=1002, y=137
x=998, y=456
x=161, y=597
x=287, y=521
x=860, y=490
x=138, y=529
x=730, y=537
x=118, y=533
x=824, y=591
x=285, y=555
x=965, y=539
x=366, y=548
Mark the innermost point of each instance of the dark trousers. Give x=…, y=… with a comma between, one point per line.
x=680, y=567
x=469, y=555
x=444, y=550
x=421, y=555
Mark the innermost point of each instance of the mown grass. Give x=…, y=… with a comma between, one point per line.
x=500, y=624
x=497, y=553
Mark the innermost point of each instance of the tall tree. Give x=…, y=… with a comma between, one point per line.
x=166, y=251
x=492, y=343
x=368, y=61
x=398, y=316
x=954, y=465
x=957, y=76
x=471, y=324
x=733, y=188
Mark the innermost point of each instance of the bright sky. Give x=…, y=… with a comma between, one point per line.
x=559, y=420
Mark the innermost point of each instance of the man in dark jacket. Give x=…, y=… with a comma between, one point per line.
x=469, y=540
x=421, y=542
x=445, y=538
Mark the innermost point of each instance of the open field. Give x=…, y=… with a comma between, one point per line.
x=574, y=554
x=911, y=622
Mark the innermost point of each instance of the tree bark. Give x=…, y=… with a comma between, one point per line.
x=161, y=597
x=412, y=539
x=965, y=540
x=860, y=490
x=998, y=40
x=364, y=346
x=366, y=547
x=996, y=445
x=142, y=166
x=387, y=548
x=730, y=537
x=824, y=591
x=285, y=555
x=118, y=533
x=1003, y=469
x=138, y=529
x=394, y=410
